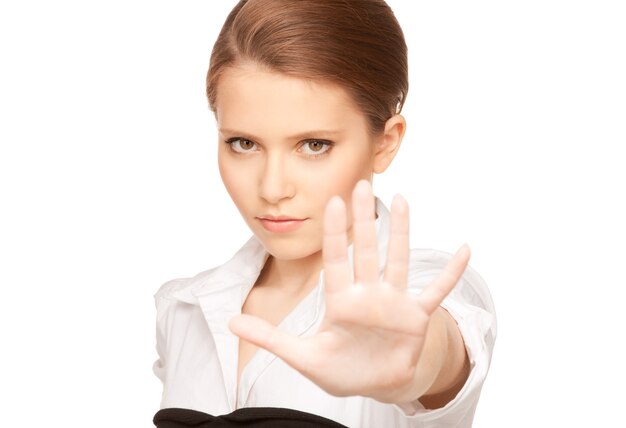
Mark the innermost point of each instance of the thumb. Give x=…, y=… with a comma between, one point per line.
x=265, y=335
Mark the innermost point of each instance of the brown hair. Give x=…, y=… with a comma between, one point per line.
x=357, y=44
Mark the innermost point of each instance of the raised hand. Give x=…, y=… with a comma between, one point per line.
x=373, y=332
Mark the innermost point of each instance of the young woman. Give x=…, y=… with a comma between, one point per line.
x=324, y=317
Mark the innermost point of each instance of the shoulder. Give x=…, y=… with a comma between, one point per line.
x=181, y=288
x=177, y=304
x=178, y=296
x=245, y=262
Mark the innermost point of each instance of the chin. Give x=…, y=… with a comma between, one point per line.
x=290, y=249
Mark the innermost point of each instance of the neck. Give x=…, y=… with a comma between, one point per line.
x=291, y=277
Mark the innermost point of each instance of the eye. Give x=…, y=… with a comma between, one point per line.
x=240, y=145
x=316, y=148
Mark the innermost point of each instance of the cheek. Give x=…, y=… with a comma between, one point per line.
x=236, y=184
x=341, y=177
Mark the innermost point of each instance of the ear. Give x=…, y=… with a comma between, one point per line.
x=388, y=144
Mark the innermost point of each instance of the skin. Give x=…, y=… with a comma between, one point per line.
x=274, y=160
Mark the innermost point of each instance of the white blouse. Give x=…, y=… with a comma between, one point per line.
x=198, y=354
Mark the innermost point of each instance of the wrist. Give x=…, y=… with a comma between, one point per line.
x=454, y=371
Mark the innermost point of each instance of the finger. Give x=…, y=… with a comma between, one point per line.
x=335, y=246
x=435, y=292
x=364, y=234
x=265, y=335
x=397, y=266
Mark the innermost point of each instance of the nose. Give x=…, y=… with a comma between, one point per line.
x=276, y=183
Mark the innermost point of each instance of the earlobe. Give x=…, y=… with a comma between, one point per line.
x=389, y=143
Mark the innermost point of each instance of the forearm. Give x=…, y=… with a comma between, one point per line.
x=443, y=365
x=454, y=370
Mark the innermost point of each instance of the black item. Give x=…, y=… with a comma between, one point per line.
x=255, y=417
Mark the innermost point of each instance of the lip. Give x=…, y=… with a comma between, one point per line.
x=279, y=218
x=280, y=224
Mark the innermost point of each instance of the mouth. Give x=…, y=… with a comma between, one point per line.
x=279, y=218
x=280, y=224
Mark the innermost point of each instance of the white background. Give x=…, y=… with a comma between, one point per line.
x=109, y=188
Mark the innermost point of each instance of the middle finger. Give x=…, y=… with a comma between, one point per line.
x=397, y=265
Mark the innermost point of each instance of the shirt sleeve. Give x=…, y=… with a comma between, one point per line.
x=471, y=306
x=163, y=305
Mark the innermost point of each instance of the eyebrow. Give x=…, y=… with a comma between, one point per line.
x=301, y=135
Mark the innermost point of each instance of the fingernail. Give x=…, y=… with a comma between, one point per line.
x=399, y=202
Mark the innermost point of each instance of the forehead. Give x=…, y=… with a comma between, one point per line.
x=252, y=98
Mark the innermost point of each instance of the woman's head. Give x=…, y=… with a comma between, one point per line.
x=356, y=44
x=295, y=131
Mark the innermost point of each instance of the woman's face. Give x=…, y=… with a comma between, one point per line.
x=286, y=146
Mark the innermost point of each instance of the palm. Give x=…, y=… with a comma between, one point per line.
x=373, y=331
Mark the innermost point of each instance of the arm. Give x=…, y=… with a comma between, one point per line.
x=449, y=349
